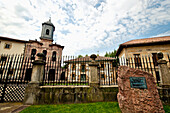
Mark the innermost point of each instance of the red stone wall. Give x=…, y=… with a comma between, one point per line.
x=43, y=45
x=135, y=100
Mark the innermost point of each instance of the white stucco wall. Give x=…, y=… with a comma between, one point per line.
x=16, y=47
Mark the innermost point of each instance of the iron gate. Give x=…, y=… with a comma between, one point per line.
x=15, y=73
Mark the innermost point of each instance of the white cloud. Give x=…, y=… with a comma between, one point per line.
x=90, y=28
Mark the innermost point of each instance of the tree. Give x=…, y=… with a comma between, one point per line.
x=106, y=55
x=80, y=56
x=111, y=54
x=86, y=55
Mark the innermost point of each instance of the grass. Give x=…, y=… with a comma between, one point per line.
x=98, y=107
x=167, y=108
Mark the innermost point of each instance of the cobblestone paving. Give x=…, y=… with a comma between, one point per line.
x=13, y=107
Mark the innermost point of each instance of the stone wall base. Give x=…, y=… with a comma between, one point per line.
x=164, y=94
x=32, y=94
x=57, y=95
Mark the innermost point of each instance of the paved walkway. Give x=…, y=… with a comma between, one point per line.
x=12, y=107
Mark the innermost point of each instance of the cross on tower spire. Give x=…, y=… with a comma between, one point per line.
x=50, y=19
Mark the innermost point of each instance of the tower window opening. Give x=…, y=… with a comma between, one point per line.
x=47, y=32
x=54, y=56
x=45, y=54
x=33, y=52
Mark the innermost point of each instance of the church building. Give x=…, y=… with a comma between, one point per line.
x=45, y=45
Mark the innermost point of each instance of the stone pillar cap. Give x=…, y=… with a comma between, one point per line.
x=93, y=56
x=40, y=55
x=160, y=55
x=160, y=61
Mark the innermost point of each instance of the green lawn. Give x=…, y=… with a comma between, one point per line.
x=98, y=107
x=167, y=108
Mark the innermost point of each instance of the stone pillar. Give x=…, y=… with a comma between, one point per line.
x=165, y=80
x=32, y=91
x=164, y=73
x=94, y=76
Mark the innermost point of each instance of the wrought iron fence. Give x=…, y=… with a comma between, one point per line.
x=108, y=71
x=146, y=63
x=15, y=73
x=15, y=69
x=66, y=71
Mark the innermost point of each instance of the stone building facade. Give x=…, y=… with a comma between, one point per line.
x=45, y=45
x=149, y=47
x=78, y=69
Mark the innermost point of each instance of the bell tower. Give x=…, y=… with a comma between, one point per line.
x=47, y=30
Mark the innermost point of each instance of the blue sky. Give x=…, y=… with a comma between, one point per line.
x=86, y=26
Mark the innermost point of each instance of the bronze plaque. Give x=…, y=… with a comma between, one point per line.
x=138, y=82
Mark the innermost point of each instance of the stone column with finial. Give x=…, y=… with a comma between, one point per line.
x=164, y=71
x=32, y=91
x=94, y=76
x=164, y=80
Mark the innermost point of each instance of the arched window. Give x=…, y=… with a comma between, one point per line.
x=47, y=32
x=51, y=74
x=33, y=52
x=45, y=53
x=54, y=56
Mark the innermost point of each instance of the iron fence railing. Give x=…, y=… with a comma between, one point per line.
x=146, y=63
x=15, y=69
x=66, y=71
x=108, y=72
x=15, y=73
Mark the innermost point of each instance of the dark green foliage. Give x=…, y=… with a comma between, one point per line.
x=111, y=54
x=167, y=108
x=80, y=56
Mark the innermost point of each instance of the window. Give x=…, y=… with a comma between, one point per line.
x=45, y=54
x=10, y=71
x=33, y=52
x=102, y=75
x=47, y=32
x=1, y=71
x=28, y=74
x=73, y=76
x=51, y=75
x=137, y=60
x=82, y=68
x=54, y=56
x=102, y=65
x=155, y=59
x=73, y=66
x=83, y=77
x=3, y=58
x=63, y=76
x=157, y=76
x=7, y=46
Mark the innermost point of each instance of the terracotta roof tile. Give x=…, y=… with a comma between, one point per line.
x=12, y=39
x=144, y=42
x=147, y=40
x=87, y=58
